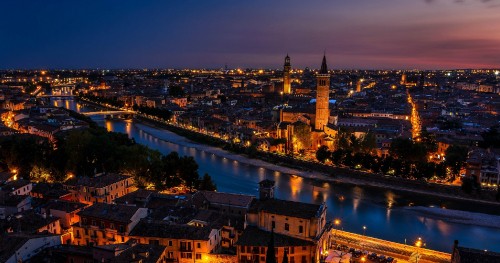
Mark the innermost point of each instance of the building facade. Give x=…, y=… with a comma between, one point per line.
x=322, y=97
x=287, y=85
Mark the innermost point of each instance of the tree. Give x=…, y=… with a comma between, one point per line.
x=455, y=158
x=429, y=140
x=368, y=142
x=337, y=156
x=408, y=150
x=175, y=91
x=207, y=184
x=187, y=170
x=491, y=138
x=323, y=153
x=467, y=185
x=301, y=136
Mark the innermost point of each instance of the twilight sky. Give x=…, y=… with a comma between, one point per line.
x=365, y=34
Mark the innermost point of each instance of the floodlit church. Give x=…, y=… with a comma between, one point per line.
x=293, y=122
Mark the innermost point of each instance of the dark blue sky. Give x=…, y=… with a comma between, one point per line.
x=177, y=34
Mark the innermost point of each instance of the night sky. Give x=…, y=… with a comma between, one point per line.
x=364, y=34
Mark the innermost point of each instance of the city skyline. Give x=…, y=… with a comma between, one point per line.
x=427, y=34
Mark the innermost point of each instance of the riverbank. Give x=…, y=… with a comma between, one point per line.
x=342, y=176
x=309, y=170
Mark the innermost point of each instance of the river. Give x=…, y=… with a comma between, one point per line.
x=385, y=213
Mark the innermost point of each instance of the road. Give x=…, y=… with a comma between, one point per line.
x=401, y=252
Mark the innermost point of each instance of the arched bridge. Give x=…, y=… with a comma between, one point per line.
x=110, y=114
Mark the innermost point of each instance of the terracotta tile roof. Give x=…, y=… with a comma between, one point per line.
x=225, y=198
x=118, y=213
x=62, y=205
x=287, y=208
x=471, y=255
x=161, y=229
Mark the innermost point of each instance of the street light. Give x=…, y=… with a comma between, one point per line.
x=336, y=223
x=364, y=230
x=418, y=244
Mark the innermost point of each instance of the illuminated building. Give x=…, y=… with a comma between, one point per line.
x=287, y=88
x=322, y=97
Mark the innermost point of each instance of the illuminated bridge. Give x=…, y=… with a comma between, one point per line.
x=402, y=252
x=110, y=114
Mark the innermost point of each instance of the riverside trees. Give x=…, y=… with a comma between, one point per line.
x=89, y=151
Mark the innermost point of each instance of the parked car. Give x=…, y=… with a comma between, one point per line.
x=372, y=256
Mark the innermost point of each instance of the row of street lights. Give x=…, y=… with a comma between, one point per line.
x=418, y=243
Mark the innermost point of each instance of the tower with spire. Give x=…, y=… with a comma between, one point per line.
x=287, y=87
x=322, y=97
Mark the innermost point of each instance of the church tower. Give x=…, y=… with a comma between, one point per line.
x=287, y=87
x=322, y=97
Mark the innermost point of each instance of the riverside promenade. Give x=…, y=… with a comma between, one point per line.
x=401, y=252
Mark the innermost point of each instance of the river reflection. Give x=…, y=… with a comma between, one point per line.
x=381, y=211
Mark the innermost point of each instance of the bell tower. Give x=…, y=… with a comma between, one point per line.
x=287, y=87
x=322, y=97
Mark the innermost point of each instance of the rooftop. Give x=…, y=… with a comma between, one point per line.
x=240, y=200
x=471, y=255
x=63, y=205
x=160, y=229
x=286, y=208
x=96, y=181
x=118, y=213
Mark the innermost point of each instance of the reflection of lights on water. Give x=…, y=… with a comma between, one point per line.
x=109, y=126
x=355, y=204
x=128, y=128
x=390, y=199
x=443, y=227
x=295, y=185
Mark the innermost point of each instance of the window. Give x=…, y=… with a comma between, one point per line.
x=303, y=259
x=292, y=259
x=186, y=255
x=273, y=224
x=304, y=248
x=301, y=229
x=102, y=224
x=154, y=242
x=170, y=254
x=93, y=223
x=198, y=245
x=292, y=250
x=112, y=226
x=198, y=256
x=287, y=227
x=121, y=229
x=170, y=243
